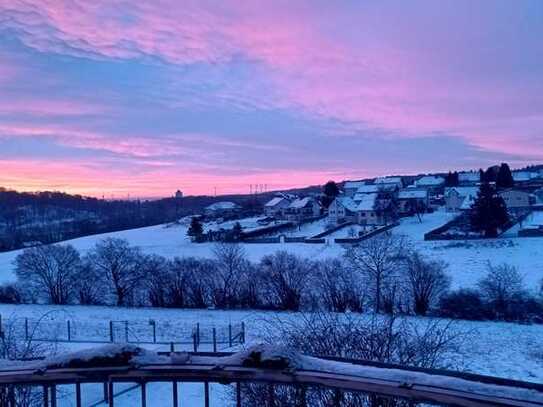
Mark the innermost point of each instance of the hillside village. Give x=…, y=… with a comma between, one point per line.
x=374, y=205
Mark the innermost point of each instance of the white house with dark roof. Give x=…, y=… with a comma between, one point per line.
x=342, y=209
x=456, y=196
x=302, y=208
x=276, y=206
x=364, y=209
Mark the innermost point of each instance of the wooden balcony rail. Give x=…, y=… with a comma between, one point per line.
x=261, y=365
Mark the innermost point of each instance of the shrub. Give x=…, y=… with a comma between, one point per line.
x=463, y=304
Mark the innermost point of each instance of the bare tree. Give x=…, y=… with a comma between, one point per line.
x=89, y=285
x=426, y=280
x=338, y=287
x=425, y=344
x=378, y=259
x=50, y=271
x=119, y=264
x=286, y=277
x=230, y=265
x=200, y=275
x=501, y=285
x=156, y=277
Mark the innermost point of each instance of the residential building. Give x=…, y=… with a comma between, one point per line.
x=396, y=181
x=276, y=206
x=455, y=197
x=350, y=187
x=516, y=199
x=342, y=209
x=302, y=208
x=412, y=200
x=469, y=178
x=432, y=183
x=224, y=208
x=524, y=176
x=365, y=209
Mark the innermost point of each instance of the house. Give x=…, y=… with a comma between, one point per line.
x=469, y=178
x=342, y=209
x=516, y=199
x=396, y=181
x=412, y=200
x=350, y=187
x=524, y=176
x=223, y=208
x=302, y=208
x=432, y=183
x=276, y=206
x=389, y=190
x=366, y=209
x=455, y=197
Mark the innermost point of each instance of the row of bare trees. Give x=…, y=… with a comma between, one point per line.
x=383, y=275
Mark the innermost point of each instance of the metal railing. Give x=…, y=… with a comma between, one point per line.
x=334, y=374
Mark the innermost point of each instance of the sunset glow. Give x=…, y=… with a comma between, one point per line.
x=143, y=98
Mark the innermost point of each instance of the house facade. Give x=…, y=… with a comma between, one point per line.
x=456, y=198
x=275, y=207
x=224, y=208
x=517, y=199
x=302, y=208
x=412, y=200
x=342, y=210
x=365, y=209
x=432, y=183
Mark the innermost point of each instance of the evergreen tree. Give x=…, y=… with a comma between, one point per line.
x=491, y=174
x=330, y=191
x=451, y=180
x=488, y=213
x=236, y=231
x=504, y=178
x=196, y=229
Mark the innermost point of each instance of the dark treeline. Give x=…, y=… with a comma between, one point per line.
x=48, y=217
x=382, y=275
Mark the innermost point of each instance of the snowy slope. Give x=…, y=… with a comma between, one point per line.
x=467, y=260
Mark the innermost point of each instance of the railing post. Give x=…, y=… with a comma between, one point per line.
x=110, y=394
x=11, y=396
x=26, y=329
x=143, y=394
x=106, y=392
x=154, y=331
x=198, y=332
x=242, y=332
x=194, y=342
x=111, y=331
x=214, y=340
x=172, y=347
x=230, y=335
x=69, y=331
x=238, y=394
x=206, y=394
x=175, y=394
x=78, y=394
x=54, y=395
x=45, y=396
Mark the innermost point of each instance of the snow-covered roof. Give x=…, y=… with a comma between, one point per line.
x=388, y=180
x=368, y=189
x=462, y=191
x=367, y=203
x=430, y=180
x=347, y=203
x=413, y=194
x=521, y=176
x=472, y=176
x=274, y=201
x=217, y=206
x=468, y=202
x=353, y=184
x=300, y=203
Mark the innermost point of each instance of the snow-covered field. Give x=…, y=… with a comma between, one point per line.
x=467, y=259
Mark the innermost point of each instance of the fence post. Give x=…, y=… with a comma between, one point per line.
x=154, y=331
x=198, y=332
x=69, y=331
x=172, y=347
x=26, y=329
x=126, y=331
x=195, y=344
x=242, y=332
x=214, y=340
x=111, y=331
x=230, y=335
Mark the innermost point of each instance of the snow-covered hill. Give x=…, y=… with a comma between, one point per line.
x=467, y=259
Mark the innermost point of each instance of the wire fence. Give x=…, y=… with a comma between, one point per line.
x=127, y=331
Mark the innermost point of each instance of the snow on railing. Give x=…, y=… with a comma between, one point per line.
x=261, y=364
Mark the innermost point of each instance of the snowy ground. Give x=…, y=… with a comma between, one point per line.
x=467, y=259
x=499, y=349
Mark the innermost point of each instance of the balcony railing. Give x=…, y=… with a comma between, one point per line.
x=113, y=364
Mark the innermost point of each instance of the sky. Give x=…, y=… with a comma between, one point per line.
x=141, y=98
